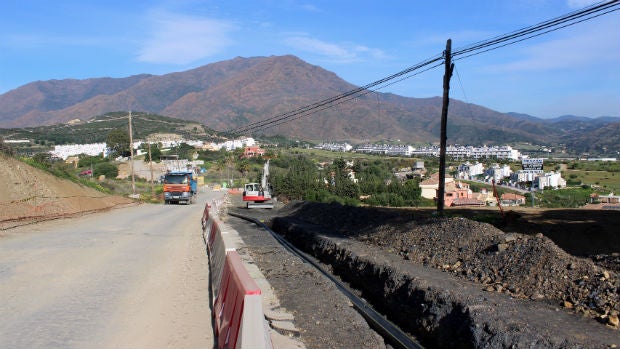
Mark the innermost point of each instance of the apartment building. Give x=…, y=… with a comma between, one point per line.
x=385, y=149
x=469, y=171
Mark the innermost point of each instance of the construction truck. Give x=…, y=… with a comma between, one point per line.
x=180, y=187
x=258, y=195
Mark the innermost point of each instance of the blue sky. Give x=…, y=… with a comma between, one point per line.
x=571, y=71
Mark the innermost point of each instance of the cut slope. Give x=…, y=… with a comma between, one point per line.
x=30, y=194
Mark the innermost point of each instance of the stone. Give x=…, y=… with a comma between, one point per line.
x=501, y=247
x=612, y=320
x=510, y=238
x=537, y=296
x=567, y=305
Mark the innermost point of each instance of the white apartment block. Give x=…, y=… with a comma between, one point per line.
x=494, y=152
x=394, y=150
x=551, y=179
x=498, y=172
x=426, y=151
x=237, y=143
x=468, y=170
x=525, y=176
x=484, y=152
x=341, y=147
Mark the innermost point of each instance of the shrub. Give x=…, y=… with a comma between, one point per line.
x=107, y=169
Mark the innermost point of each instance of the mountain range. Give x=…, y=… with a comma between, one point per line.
x=241, y=91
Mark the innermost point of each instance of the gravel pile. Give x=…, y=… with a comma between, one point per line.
x=519, y=265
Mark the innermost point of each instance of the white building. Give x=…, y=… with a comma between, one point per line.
x=426, y=151
x=237, y=143
x=551, y=180
x=468, y=171
x=498, y=152
x=93, y=149
x=463, y=152
x=494, y=152
x=498, y=172
x=342, y=147
x=393, y=150
x=525, y=176
x=429, y=186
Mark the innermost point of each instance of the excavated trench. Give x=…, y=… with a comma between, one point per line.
x=438, y=308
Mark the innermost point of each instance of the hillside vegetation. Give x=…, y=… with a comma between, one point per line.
x=242, y=91
x=97, y=129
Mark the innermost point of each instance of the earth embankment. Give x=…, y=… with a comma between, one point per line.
x=30, y=195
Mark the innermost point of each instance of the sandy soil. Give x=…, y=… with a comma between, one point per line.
x=30, y=195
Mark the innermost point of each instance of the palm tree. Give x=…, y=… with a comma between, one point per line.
x=243, y=166
x=219, y=166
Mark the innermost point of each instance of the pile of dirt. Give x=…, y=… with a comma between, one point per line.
x=527, y=266
x=30, y=194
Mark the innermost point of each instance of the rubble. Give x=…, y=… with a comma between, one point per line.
x=527, y=266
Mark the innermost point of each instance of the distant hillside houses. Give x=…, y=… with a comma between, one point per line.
x=495, y=172
x=93, y=149
x=236, y=143
x=539, y=179
x=96, y=149
x=502, y=173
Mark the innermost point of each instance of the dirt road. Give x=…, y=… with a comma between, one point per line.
x=133, y=278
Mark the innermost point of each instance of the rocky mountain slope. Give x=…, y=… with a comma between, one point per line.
x=240, y=91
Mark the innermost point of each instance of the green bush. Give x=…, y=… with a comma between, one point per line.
x=107, y=169
x=87, y=160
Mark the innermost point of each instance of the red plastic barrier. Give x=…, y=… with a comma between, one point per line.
x=229, y=305
x=214, y=230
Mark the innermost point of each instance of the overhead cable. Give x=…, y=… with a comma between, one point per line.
x=331, y=100
x=526, y=33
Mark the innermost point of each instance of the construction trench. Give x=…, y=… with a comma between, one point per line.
x=526, y=293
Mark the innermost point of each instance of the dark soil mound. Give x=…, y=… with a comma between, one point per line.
x=517, y=265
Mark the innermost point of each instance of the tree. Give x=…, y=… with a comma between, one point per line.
x=107, y=169
x=43, y=159
x=118, y=143
x=243, y=166
x=5, y=148
x=184, y=151
x=155, y=151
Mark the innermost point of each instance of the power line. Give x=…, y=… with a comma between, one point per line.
x=538, y=30
x=349, y=98
x=494, y=43
x=331, y=100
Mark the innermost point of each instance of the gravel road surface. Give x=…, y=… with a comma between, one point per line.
x=129, y=278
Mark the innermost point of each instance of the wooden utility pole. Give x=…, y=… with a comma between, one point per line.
x=449, y=67
x=133, y=178
x=151, y=168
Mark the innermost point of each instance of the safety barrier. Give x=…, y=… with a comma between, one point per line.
x=237, y=300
